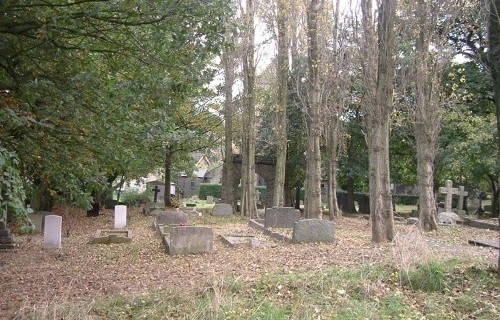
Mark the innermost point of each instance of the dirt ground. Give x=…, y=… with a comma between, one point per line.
x=31, y=275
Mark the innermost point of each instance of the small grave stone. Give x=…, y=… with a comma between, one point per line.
x=448, y=218
x=210, y=199
x=222, y=209
x=120, y=216
x=172, y=217
x=448, y=191
x=6, y=238
x=412, y=221
x=189, y=239
x=38, y=219
x=112, y=236
x=281, y=217
x=313, y=230
x=52, y=232
x=150, y=206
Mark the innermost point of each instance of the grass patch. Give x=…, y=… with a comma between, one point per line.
x=367, y=292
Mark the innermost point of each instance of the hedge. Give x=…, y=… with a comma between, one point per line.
x=210, y=189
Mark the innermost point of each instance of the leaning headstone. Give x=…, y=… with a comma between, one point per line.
x=448, y=218
x=120, y=216
x=210, y=199
x=52, y=232
x=222, y=209
x=313, y=230
x=171, y=217
x=281, y=217
x=189, y=239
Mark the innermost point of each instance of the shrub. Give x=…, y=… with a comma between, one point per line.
x=428, y=277
x=133, y=198
x=210, y=189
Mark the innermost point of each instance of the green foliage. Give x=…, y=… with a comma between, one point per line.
x=210, y=189
x=12, y=194
x=134, y=198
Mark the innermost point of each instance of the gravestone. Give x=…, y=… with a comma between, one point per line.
x=38, y=220
x=448, y=218
x=171, y=217
x=6, y=237
x=150, y=206
x=448, y=191
x=222, y=209
x=156, y=190
x=461, y=194
x=112, y=236
x=210, y=199
x=52, y=232
x=281, y=217
x=189, y=239
x=120, y=216
x=313, y=230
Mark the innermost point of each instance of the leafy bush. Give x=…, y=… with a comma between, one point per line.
x=133, y=198
x=210, y=189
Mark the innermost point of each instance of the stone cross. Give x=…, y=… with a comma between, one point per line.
x=156, y=190
x=449, y=191
x=461, y=193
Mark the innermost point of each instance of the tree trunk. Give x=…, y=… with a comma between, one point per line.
x=427, y=118
x=228, y=187
x=248, y=201
x=168, y=173
x=313, y=172
x=333, y=136
x=379, y=90
x=281, y=120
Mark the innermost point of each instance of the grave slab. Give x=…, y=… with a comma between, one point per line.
x=313, y=230
x=485, y=243
x=112, y=236
x=241, y=241
x=189, y=239
x=281, y=217
x=222, y=209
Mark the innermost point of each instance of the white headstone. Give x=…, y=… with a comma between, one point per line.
x=449, y=191
x=120, y=216
x=52, y=232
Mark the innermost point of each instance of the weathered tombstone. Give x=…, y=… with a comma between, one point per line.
x=171, y=217
x=6, y=238
x=448, y=218
x=281, y=217
x=448, y=191
x=156, y=190
x=210, y=199
x=38, y=220
x=313, y=230
x=52, y=232
x=112, y=236
x=120, y=216
x=189, y=239
x=222, y=209
x=150, y=206
x=412, y=221
x=461, y=194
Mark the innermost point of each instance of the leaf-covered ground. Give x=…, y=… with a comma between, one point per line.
x=31, y=275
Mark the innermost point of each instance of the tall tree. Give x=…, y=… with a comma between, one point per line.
x=281, y=118
x=378, y=66
x=248, y=201
x=428, y=65
x=313, y=205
